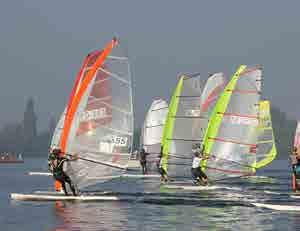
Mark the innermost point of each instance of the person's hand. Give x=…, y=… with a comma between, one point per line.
x=75, y=156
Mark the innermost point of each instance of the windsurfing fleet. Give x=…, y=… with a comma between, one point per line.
x=210, y=131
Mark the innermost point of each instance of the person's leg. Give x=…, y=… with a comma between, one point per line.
x=203, y=176
x=145, y=167
x=142, y=165
x=63, y=184
x=194, y=176
x=68, y=180
x=165, y=175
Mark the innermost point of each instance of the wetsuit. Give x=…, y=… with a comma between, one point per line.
x=56, y=167
x=162, y=171
x=198, y=175
x=143, y=161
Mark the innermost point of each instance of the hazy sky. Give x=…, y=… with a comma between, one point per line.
x=42, y=44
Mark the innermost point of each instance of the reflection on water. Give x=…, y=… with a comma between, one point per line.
x=153, y=207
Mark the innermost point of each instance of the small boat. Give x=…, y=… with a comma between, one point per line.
x=10, y=158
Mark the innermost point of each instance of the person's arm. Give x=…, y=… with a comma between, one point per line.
x=70, y=157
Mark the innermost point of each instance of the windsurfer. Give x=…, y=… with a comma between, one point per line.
x=199, y=177
x=161, y=170
x=143, y=160
x=56, y=162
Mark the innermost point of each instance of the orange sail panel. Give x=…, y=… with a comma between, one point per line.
x=81, y=90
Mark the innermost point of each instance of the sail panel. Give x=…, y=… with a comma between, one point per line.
x=195, y=103
x=102, y=121
x=297, y=136
x=169, y=125
x=266, y=147
x=186, y=131
x=55, y=141
x=151, y=134
x=230, y=142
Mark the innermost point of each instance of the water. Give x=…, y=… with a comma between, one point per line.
x=226, y=207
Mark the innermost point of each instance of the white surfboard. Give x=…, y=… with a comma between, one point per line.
x=39, y=174
x=295, y=196
x=191, y=187
x=124, y=175
x=58, y=197
x=277, y=207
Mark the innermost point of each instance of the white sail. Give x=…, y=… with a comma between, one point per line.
x=55, y=141
x=151, y=134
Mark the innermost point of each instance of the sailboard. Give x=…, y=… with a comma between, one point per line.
x=98, y=124
x=188, y=116
x=151, y=134
x=52, y=197
x=230, y=140
x=277, y=207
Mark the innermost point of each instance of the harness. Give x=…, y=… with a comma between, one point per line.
x=57, y=168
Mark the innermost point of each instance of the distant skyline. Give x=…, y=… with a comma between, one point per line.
x=43, y=43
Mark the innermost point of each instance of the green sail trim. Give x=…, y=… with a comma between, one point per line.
x=264, y=109
x=217, y=115
x=169, y=125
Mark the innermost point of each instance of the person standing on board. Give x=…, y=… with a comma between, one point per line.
x=198, y=175
x=143, y=160
x=56, y=163
x=161, y=170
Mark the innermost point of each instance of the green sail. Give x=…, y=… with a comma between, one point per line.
x=266, y=147
x=217, y=115
x=169, y=124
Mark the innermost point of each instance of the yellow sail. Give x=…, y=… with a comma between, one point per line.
x=266, y=147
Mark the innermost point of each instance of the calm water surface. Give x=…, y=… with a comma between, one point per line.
x=151, y=207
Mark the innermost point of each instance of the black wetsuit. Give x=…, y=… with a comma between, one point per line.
x=197, y=172
x=61, y=176
x=143, y=161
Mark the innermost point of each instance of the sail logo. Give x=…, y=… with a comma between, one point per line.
x=237, y=120
x=93, y=114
